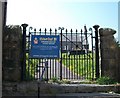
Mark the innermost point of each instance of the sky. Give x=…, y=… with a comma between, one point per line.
x=63, y=13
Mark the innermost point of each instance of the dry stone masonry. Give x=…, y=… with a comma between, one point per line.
x=109, y=54
x=12, y=53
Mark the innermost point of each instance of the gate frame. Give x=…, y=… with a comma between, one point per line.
x=23, y=66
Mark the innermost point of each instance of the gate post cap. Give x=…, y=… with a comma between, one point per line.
x=106, y=31
x=24, y=25
x=96, y=27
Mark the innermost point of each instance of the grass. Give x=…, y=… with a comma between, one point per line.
x=66, y=81
x=102, y=81
x=105, y=81
x=31, y=65
x=83, y=65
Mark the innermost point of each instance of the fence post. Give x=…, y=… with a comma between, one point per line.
x=96, y=50
x=24, y=26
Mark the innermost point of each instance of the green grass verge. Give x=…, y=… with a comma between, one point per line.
x=83, y=65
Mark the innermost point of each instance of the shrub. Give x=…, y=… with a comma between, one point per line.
x=54, y=79
x=105, y=81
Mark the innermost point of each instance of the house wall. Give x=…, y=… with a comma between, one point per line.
x=0, y=49
x=69, y=41
x=71, y=46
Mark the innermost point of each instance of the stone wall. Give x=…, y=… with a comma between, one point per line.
x=12, y=37
x=31, y=88
x=110, y=59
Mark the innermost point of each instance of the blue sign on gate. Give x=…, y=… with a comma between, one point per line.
x=45, y=46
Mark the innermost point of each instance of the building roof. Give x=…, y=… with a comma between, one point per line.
x=74, y=38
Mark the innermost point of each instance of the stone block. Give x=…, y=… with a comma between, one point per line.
x=109, y=54
x=106, y=31
x=12, y=74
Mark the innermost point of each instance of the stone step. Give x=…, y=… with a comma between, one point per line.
x=70, y=95
x=31, y=89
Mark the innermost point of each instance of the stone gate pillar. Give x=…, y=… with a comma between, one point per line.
x=1, y=49
x=12, y=54
x=109, y=53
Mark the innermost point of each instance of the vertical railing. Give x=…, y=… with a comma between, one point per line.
x=55, y=59
x=86, y=41
x=81, y=58
x=93, y=69
x=71, y=50
x=65, y=58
